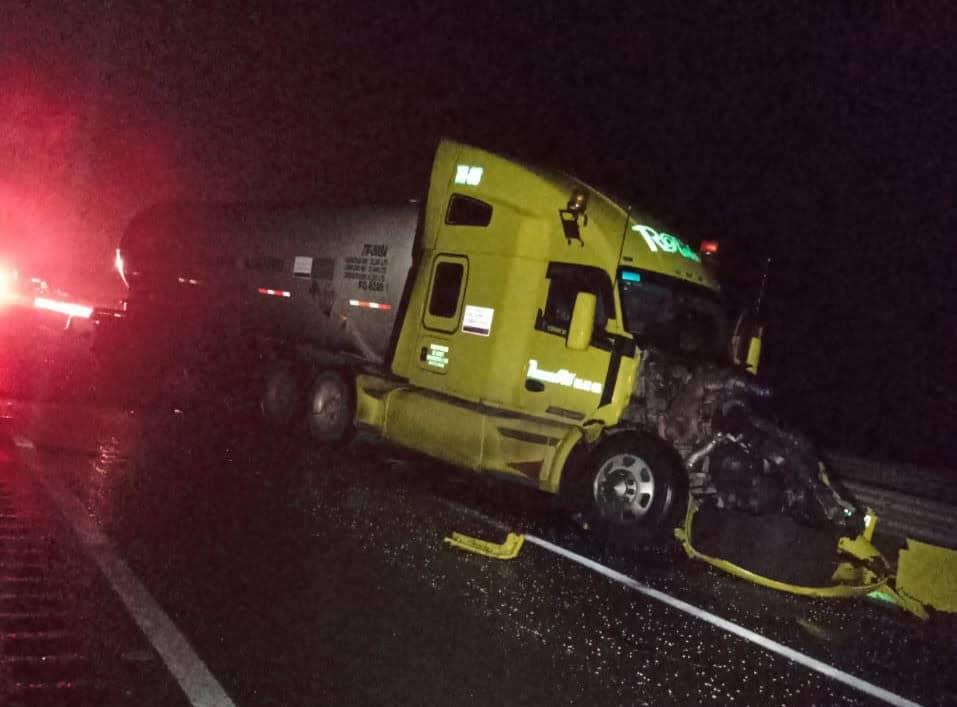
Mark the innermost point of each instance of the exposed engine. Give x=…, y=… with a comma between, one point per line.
x=735, y=457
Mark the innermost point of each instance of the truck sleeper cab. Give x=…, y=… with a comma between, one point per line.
x=513, y=355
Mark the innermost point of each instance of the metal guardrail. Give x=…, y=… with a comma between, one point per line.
x=910, y=501
x=936, y=484
x=908, y=516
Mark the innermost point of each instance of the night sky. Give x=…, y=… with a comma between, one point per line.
x=823, y=139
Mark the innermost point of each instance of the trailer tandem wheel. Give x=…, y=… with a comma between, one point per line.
x=332, y=407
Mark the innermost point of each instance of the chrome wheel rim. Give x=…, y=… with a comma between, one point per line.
x=624, y=489
x=328, y=406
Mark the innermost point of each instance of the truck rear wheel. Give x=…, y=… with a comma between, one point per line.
x=630, y=491
x=332, y=404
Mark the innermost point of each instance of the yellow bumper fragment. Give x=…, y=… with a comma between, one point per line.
x=500, y=551
x=928, y=574
x=866, y=572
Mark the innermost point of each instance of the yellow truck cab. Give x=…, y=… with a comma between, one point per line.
x=521, y=339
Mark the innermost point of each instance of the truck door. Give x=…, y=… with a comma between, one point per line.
x=559, y=380
x=440, y=320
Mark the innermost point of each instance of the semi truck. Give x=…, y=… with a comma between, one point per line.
x=518, y=322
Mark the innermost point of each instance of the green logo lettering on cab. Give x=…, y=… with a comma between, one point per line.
x=562, y=377
x=665, y=242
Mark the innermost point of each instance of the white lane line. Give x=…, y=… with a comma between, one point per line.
x=200, y=685
x=706, y=616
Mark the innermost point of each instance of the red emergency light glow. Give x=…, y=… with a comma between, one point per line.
x=274, y=293
x=369, y=305
x=709, y=248
x=7, y=279
x=68, y=308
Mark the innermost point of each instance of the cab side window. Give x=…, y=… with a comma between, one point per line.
x=445, y=290
x=565, y=282
x=466, y=211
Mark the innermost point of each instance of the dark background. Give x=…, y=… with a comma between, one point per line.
x=822, y=138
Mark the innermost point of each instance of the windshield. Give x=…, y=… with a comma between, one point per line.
x=673, y=315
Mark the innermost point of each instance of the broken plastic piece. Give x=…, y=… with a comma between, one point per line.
x=886, y=593
x=928, y=574
x=505, y=551
x=861, y=547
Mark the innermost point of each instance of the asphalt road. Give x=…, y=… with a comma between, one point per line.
x=302, y=576
x=65, y=637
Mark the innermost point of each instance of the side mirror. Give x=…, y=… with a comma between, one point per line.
x=583, y=322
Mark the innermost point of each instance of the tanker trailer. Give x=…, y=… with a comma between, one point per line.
x=222, y=292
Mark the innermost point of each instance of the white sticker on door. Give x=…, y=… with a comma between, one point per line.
x=477, y=320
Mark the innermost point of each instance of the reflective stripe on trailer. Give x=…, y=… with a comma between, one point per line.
x=369, y=305
x=274, y=293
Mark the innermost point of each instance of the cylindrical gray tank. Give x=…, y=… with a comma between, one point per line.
x=330, y=277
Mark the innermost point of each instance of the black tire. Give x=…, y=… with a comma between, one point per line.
x=629, y=492
x=331, y=408
x=280, y=401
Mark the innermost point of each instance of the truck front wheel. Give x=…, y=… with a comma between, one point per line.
x=332, y=407
x=630, y=491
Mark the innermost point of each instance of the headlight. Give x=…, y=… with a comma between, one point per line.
x=8, y=281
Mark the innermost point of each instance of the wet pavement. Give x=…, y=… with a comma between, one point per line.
x=303, y=576
x=65, y=639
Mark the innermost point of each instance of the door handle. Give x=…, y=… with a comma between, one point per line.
x=534, y=386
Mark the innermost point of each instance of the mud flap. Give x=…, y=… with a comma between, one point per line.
x=863, y=572
x=500, y=551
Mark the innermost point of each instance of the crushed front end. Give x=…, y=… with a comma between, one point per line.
x=762, y=506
